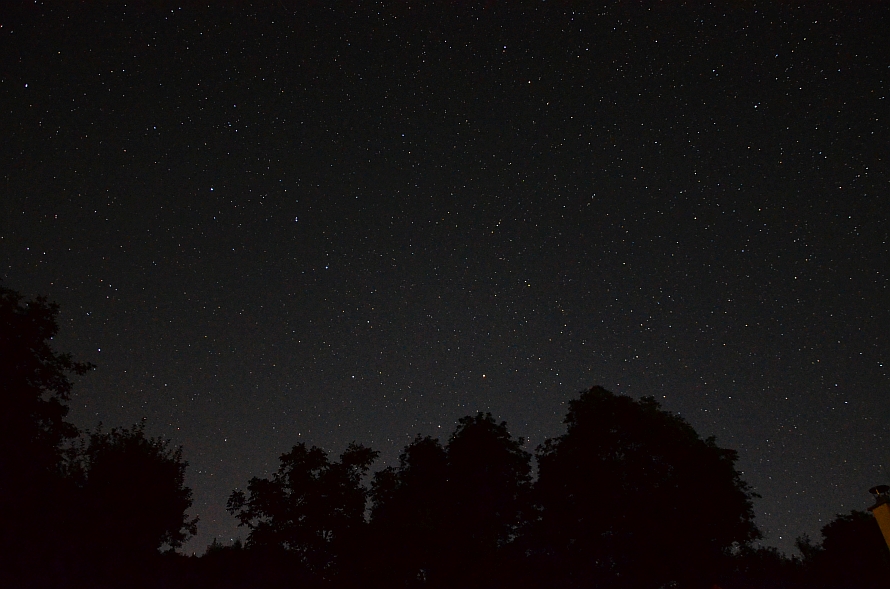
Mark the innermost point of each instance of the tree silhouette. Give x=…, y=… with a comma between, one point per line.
x=489, y=479
x=631, y=496
x=407, y=515
x=763, y=567
x=133, y=493
x=311, y=507
x=34, y=387
x=853, y=554
x=443, y=514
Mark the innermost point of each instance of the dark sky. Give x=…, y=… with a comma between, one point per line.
x=296, y=223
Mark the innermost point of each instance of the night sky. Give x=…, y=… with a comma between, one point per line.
x=284, y=223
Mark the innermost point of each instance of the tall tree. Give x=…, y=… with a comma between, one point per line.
x=133, y=493
x=444, y=514
x=489, y=478
x=34, y=390
x=631, y=495
x=852, y=554
x=407, y=516
x=311, y=507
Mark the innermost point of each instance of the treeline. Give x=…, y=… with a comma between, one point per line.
x=629, y=497
x=79, y=508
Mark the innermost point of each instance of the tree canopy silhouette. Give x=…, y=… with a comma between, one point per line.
x=631, y=496
x=311, y=507
x=35, y=381
x=489, y=479
x=133, y=492
x=852, y=554
x=407, y=514
x=34, y=388
x=69, y=508
x=442, y=514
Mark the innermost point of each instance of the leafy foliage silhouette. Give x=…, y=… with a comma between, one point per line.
x=444, y=513
x=489, y=483
x=71, y=509
x=311, y=507
x=631, y=496
x=762, y=567
x=407, y=515
x=852, y=554
x=34, y=387
x=133, y=492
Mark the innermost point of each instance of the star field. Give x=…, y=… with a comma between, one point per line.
x=287, y=223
